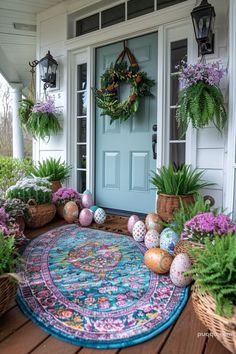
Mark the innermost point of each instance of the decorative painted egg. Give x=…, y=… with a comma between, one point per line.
x=152, y=222
x=85, y=217
x=168, y=240
x=87, y=200
x=180, y=264
x=100, y=216
x=87, y=191
x=158, y=260
x=70, y=211
x=132, y=220
x=152, y=239
x=93, y=208
x=139, y=231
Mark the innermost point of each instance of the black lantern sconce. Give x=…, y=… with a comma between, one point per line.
x=203, y=17
x=47, y=67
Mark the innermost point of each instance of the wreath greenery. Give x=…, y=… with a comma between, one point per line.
x=107, y=97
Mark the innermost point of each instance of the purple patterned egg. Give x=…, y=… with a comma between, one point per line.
x=100, y=216
x=139, y=231
x=70, y=211
x=180, y=264
x=132, y=220
x=85, y=217
x=152, y=239
x=87, y=200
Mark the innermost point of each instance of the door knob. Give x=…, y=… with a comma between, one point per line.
x=154, y=142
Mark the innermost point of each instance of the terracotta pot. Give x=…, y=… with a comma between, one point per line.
x=167, y=204
x=56, y=185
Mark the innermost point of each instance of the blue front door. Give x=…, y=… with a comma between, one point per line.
x=124, y=156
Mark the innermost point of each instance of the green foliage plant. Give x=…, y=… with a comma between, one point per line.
x=25, y=110
x=187, y=211
x=53, y=169
x=9, y=258
x=12, y=170
x=183, y=181
x=214, y=272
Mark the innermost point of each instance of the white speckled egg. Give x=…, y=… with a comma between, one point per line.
x=168, y=240
x=139, y=231
x=100, y=216
x=152, y=239
x=87, y=200
x=180, y=264
x=132, y=220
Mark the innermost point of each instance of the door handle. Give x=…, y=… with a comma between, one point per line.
x=154, y=142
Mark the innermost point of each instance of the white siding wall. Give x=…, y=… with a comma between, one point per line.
x=210, y=152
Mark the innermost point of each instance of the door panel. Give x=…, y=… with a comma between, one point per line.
x=124, y=150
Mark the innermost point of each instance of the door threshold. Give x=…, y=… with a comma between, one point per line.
x=124, y=212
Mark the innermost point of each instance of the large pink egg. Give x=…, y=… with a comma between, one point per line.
x=152, y=222
x=152, y=239
x=85, y=217
x=70, y=211
x=132, y=220
x=87, y=200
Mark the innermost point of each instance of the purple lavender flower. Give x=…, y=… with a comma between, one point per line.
x=191, y=74
x=207, y=225
x=45, y=106
x=4, y=217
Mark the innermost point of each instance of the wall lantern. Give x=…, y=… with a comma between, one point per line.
x=203, y=17
x=47, y=67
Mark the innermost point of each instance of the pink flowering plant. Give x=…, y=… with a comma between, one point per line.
x=9, y=228
x=64, y=195
x=207, y=225
x=200, y=99
x=43, y=122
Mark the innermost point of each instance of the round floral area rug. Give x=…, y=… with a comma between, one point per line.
x=91, y=288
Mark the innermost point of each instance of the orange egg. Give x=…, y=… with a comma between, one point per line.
x=70, y=212
x=158, y=260
x=152, y=222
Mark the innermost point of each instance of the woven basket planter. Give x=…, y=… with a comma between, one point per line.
x=8, y=287
x=183, y=246
x=20, y=220
x=40, y=214
x=224, y=329
x=167, y=204
x=55, y=186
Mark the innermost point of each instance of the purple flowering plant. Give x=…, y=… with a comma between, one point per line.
x=200, y=98
x=207, y=225
x=64, y=195
x=9, y=228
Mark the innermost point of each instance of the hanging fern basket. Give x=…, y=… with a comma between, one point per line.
x=107, y=97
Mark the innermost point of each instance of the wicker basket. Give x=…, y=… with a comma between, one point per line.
x=183, y=246
x=224, y=329
x=40, y=214
x=167, y=204
x=20, y=220
x=56, y=185
x=8, y=286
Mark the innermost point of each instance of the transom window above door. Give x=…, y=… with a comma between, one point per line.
x=81, y=22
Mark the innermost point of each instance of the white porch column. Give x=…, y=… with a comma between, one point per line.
x=17, y=135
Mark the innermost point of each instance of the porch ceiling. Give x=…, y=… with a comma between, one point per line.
x=18, y=46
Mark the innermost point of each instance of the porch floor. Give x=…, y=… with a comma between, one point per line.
x=18, y=335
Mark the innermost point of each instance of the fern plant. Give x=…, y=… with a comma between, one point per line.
x=215, y=272
x=9, y=258
x=183, y=181
x=53, y=169
x=201, y=104
x=25, y=110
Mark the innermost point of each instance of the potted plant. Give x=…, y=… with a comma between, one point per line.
x=174, y=185
x=37, y=193
x=9, y=227
x=9, y=280
x=206, y=225
x=200, y=100
x=16, y=209
x=213, y=296
x=64, y=195
x=55, y=170
x=40, y=119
